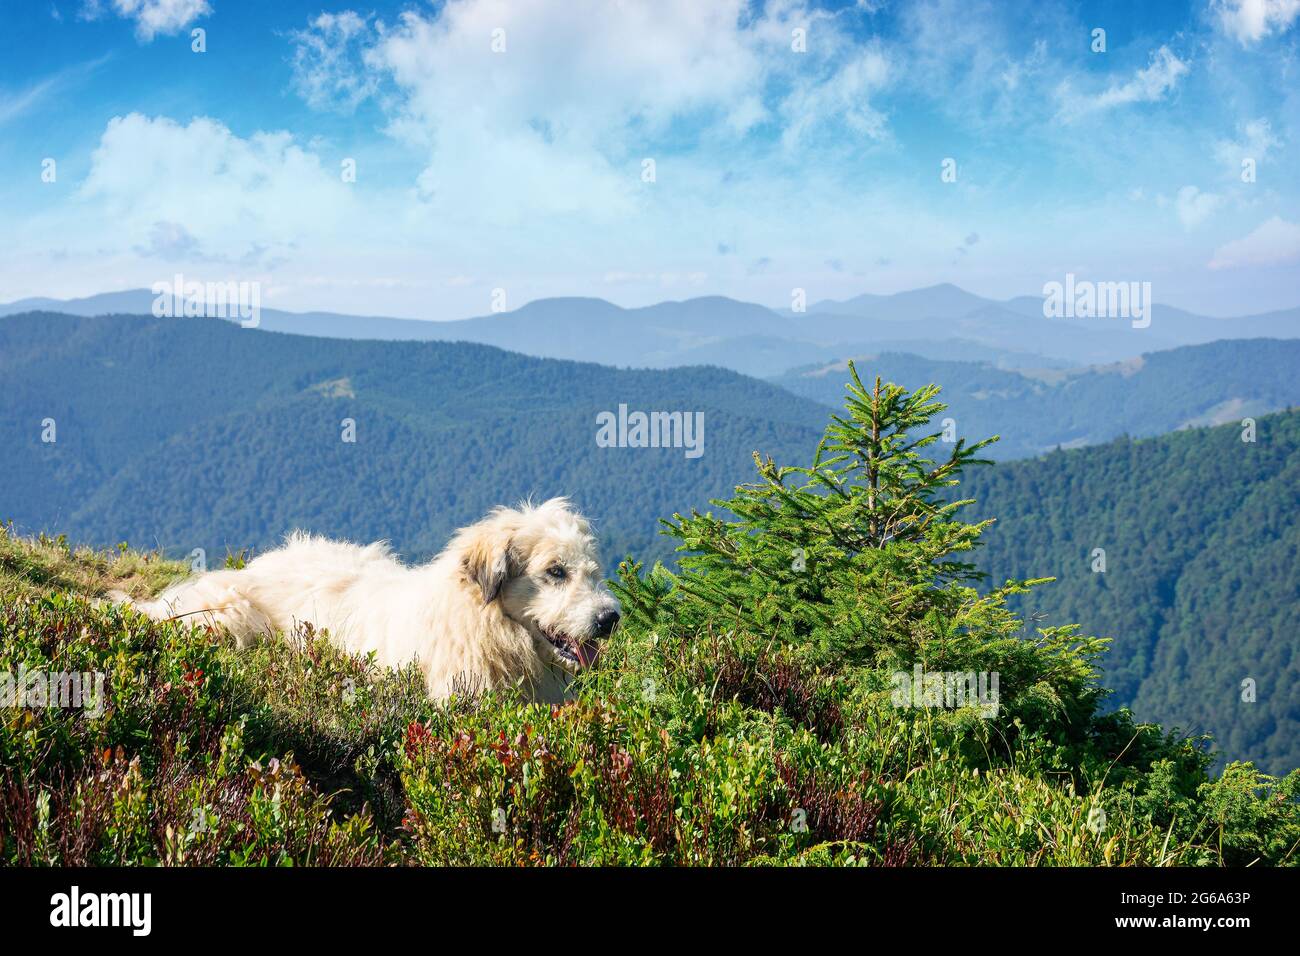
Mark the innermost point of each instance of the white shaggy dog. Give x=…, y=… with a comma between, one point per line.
x=514, y=600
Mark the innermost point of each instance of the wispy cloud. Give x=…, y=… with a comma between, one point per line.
x=794, y=144
x=1254, y=141
x=170, y=240
x=1147, y=85
x=16, y=103
x=327, y=69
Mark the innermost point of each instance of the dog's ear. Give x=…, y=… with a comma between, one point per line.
x=488, y=561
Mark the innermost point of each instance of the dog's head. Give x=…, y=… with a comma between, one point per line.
x=540, y=563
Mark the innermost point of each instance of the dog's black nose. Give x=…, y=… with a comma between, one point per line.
x=605, y=622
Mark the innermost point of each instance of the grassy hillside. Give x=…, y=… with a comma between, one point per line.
x=1201, y=591
x=747, y=712
x=1036, y=413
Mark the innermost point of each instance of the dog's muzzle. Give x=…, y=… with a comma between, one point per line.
x=583, y=651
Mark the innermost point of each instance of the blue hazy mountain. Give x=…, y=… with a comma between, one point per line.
x=1039, y=410
x=941, y=322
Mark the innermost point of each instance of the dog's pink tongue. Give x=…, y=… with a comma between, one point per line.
x=587, y=652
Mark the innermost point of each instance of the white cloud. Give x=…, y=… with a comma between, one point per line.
x=1249, y=21
x=585, y=90
x=325, y=69
x=522, y=170
x=1194, y=206
x=1147, y=85
x=151, y=16
x=1272, y=242
x=175, y=187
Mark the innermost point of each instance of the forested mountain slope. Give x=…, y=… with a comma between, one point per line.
x=196, y=433
x=1201, y=588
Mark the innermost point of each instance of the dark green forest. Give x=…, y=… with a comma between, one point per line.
x=1201, y=588
x=182, y=434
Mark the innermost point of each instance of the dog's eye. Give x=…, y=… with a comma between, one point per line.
x=557, y=573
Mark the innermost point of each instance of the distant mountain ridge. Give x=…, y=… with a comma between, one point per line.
x=942, y=322
x=1037, y=411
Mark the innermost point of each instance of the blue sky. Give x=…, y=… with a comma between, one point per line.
x=524, y=168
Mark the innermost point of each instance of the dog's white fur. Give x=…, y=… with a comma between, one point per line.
x=478, y=616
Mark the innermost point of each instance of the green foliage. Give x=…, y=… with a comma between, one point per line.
x=852, y=553
x=746, y=712
x=854, y=565
x=153, y=769
x=35, y=566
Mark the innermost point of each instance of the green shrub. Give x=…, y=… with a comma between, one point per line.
x=155, y=770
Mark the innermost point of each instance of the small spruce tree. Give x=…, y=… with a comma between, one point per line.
x=860, y=566
x=849, y=556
